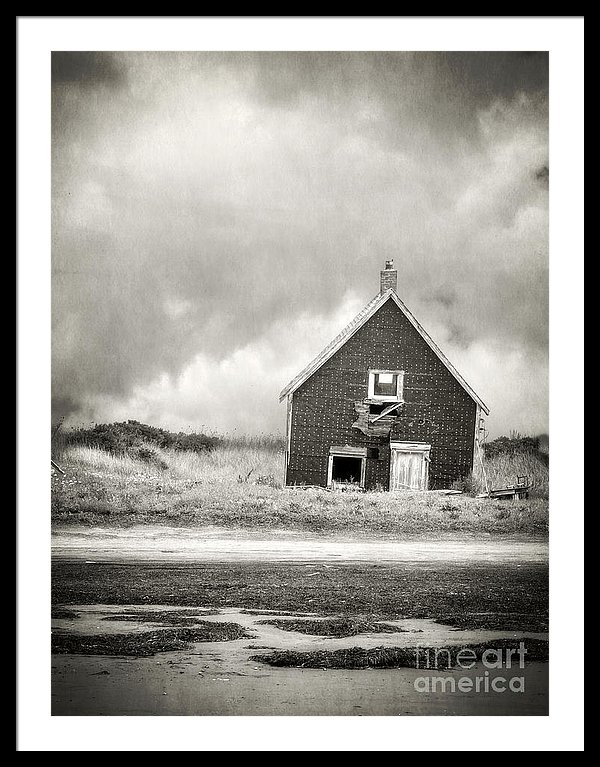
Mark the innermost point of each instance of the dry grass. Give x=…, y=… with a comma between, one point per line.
x=240, y=486
x=99, y=461
x=227, y=464
x=145, y=643
x=502, y=470
x=333, y=627
x=400, y=657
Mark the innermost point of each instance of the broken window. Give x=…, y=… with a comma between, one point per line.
x=346, y=470
x=386, y=385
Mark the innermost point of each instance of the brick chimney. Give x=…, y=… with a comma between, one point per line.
x=389, y=277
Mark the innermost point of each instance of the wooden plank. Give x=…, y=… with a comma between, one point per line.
x=288, y=438
x=507, y=492
x=356, y=452
x=386, y=411
x=410, y=447
x=408, y=470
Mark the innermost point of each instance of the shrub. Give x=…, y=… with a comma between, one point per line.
x=131, y=437
x=266, y=479
x=126, y=437
x=467, y=485
x=147, y=455
x=514, y=445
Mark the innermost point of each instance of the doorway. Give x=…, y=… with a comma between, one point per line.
x=409, y=466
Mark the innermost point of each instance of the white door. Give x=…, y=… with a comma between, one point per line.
x=409, y=468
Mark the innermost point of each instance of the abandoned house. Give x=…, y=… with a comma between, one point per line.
x=381, y=407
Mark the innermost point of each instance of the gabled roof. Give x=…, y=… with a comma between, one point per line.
x=366, y=313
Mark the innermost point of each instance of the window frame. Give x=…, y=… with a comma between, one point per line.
x=399, y=397
x=347, y=451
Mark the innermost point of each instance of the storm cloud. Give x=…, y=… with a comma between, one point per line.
x=218, y=217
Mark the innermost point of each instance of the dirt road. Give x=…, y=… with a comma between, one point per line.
x=220, y=545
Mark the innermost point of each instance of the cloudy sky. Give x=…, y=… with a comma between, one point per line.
x=219, y=217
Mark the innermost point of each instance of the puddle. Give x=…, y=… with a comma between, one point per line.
x=95, y=619
x=219, y=678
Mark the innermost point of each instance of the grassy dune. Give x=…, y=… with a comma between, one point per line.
x=240, y=486
x=502, y=470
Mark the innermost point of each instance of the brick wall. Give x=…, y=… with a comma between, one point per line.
x=388, y=279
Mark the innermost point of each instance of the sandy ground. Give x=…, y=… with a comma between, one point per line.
x=220, y=545
x=218, y=678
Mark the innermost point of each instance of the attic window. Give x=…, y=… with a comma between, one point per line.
x=386, y=385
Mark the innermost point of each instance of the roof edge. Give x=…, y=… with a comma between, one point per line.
x=336, y=343
x=439, y=353
x=355, y=324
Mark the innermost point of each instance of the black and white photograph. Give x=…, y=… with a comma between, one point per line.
x=298, y=429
